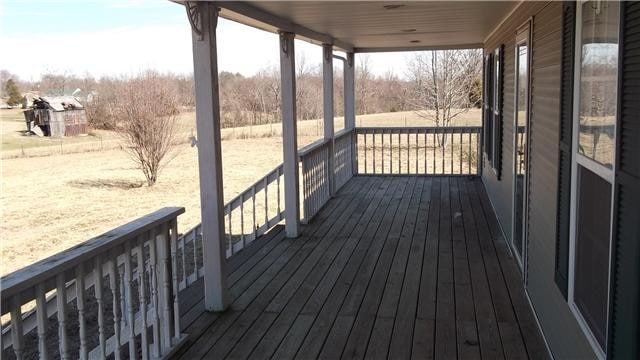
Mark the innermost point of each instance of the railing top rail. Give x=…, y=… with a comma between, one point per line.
x=428, y=129
x=20, y=280
x=342, y=133
x=258, y=184
x=308, y=149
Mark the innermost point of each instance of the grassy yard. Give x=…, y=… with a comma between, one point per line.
x=52, y=201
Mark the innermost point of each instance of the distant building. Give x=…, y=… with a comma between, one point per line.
x=29, y=97
x=57, y=116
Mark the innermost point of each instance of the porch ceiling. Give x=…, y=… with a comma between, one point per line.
x=379, y=26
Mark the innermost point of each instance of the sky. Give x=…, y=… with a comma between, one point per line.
x=124, y=37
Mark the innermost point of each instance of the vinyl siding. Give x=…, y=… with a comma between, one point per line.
x=560, y=328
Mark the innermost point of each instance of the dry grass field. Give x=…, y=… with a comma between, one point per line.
x=52, y=201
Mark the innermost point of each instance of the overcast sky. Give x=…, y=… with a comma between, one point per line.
x=112, y=37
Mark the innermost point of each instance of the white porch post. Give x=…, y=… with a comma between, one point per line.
x=349, y=92
x=203, y=17
x=327, y=107
x=289, y=135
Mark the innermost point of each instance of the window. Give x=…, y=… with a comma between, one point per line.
x=520, y=147
x=488, y=107
x=595, y=104
x=493, y=109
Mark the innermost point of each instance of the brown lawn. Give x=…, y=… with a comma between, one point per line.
x=52, y=201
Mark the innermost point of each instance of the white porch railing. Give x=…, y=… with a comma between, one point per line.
x=247, y=216
x=417, y=150
x=317, y=175
x=119, y=290
x=316, y=188
x=344, y=157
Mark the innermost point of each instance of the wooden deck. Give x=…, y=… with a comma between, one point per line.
x=392, y=267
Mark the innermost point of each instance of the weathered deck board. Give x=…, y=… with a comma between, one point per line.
x=392, y=267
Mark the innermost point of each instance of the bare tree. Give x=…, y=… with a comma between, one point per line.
x=364, y=85
x=146, y=110
x=442, y=82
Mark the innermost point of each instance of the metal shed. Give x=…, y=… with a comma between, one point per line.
x=57, y=116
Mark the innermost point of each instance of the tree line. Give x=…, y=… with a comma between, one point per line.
x=143, y=108
x=448, y=82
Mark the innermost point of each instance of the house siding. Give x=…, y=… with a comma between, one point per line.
x=561, y=330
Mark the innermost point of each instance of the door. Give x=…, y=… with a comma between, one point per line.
x=520, y=143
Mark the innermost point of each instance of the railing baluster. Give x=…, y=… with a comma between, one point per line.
x=451, y=151
x=142, y=293
x=390, y=153
x=374, y=151
x=469, y=157
x=84, y=351
x=174, y=273
x=408, y=152
x=266, y=202
x=121, y=291
x=433, y=137
x=365, y=152
x=230, y=229
x=305, y=190
x=382, y=156
x=16, y=327
x=399, y=160
x=164, y=252
x=42, y=318
x=197, y=235
x=155, y=303
x=242, y=219
x=61, y=304
x=97, y=271
x=113, y=284
x=128, y=283
x=460, y=157
x=426, y=170
x=443, y=153
x=278, y=186
x=253, y=201
x=183, y=259
x=416, y=135
x=355, y=153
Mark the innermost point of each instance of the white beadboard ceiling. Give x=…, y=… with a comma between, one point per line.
x=370, y=26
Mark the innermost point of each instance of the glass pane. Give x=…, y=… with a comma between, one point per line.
x=496, y=81
x=593, y=231
x=521, y=144
x=598, y=80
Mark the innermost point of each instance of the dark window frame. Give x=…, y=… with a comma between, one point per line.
x=488, y=107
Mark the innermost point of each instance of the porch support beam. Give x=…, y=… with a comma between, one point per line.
x=416, y=48
x=203, y=17
x=327, y=108
x=349, y=92
x=250, y=15
x=289, y=135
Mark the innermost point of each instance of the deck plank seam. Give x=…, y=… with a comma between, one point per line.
x=399, y=203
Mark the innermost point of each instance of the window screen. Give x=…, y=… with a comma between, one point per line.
x=591, y=282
